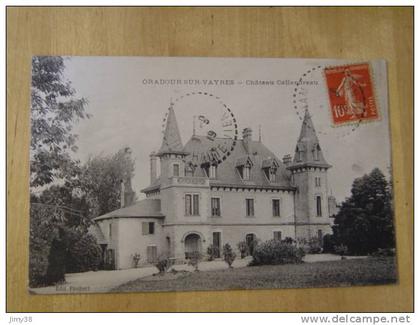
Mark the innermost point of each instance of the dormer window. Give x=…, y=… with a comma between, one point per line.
x=244, y=165
x=246, y=174
x=270, y=167
x=189, y=170
x=316, y=151
x=212, y=171
x=272, y=174
x=300, y=152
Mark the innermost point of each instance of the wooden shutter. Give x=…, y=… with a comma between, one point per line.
x=145, y=228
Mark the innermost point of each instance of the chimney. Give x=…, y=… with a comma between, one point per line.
x=247, y=137
x=122, y=192
x=287, y=159
x=127, y=193
x=153, y=167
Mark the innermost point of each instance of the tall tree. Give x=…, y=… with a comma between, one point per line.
x=101, y=180
x=364, y=222
x=54, y=110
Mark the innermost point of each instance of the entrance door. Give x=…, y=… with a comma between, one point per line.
x=151, y=254
x=109, y=259
x=192, y=244
x=217, y=243
x=250, y=241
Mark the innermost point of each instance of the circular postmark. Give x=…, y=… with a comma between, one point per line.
x=215, y=127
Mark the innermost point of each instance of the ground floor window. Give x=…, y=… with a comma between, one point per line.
x=277, y=235
x=251, y=241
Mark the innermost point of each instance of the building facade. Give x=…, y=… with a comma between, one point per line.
x=194, y=203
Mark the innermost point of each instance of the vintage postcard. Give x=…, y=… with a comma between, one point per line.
x=180, y=174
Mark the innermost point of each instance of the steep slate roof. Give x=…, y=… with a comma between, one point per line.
x=227, y=173
x=308, y=142
x=147, y=208
x=171, y=142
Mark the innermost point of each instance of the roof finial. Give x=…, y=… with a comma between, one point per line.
x=194, y=125
x=259, y=133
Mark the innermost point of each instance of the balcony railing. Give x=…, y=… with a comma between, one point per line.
x=189, y=181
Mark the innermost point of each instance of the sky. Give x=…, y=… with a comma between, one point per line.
x=128, y=98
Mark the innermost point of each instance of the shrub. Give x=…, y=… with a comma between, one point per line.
x=38, y=261
x=195, y=258
x=328, y=244
x=213, y=252
x=228, y=255
x=341, y=249
x=314, y=246
x=84, y=254
x=163, y=264
x=289, y=240
x=136, y=260
x=274, y=252
x=56, y=261
x=243, y=248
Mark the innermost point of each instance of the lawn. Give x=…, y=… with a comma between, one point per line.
x=369, y=271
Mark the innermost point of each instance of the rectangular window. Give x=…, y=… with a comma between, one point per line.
x=318, y=206
x=176, y=170
x=215, y=206
x=277, y=235
x=249, y=207
x=192, y=202
x=276, y=208
x=148, y=228
x=196, y=211
x=110, y=231
x=317, y=181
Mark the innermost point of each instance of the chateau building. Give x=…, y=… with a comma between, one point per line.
x=192, y=204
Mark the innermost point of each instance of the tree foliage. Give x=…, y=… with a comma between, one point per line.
x=101, y=181
x=364, y=222
x=54, y=110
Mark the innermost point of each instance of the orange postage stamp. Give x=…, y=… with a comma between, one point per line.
x=351, y=93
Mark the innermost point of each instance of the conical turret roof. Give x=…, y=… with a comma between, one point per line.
x=171, y=142
x=308, y=150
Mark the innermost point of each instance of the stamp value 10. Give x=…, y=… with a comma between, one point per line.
x=351, y=93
